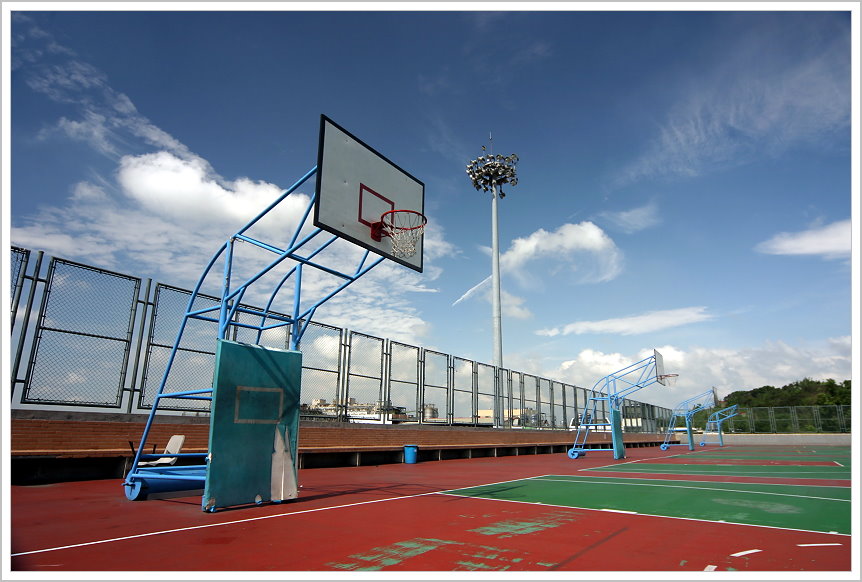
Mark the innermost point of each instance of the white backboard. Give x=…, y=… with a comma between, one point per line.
x=356, y=185
x=659, y=367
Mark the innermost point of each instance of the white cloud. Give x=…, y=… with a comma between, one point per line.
x=582, y=249
x=88, y=191
x=91, y=129
x=832, y=241
x=773, y=364
x=636, y=219
x=635, y=324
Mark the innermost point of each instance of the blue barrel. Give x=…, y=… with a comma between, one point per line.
x=411, y=452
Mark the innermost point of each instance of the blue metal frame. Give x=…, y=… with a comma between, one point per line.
x=141, y=480
x=686, y=410
x=713, y=424
x=613, y=389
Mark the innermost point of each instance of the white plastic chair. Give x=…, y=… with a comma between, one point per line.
x=174, y=446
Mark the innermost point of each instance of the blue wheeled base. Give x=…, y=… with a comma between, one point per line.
x=159, y=480
x=713, y=425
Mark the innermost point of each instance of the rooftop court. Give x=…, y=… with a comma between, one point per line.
x=736, y=508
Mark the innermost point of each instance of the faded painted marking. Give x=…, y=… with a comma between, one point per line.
x=775, y=508
x=813, y=545
x=379, y=558
x=710, y=568
x=507, y=529
x=745, y=553
x=471, y=556
x=474, y=566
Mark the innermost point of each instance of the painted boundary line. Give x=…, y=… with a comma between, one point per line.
x=247, y=520
x=753, y=474
x=693, y=479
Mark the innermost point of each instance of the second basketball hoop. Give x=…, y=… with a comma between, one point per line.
x=404, y=229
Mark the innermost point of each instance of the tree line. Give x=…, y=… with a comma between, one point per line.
x=805, y=392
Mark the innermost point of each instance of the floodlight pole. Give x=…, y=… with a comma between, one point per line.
x=489, y=174
x=495, y=282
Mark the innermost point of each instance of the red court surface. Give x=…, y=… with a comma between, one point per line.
x=399, y=517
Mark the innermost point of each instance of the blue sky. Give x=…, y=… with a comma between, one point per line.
x=686, y=179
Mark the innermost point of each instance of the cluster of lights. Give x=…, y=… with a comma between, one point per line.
x=490, y=170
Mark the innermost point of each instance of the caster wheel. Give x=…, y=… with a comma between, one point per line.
x=663, y=447
x=573, y=454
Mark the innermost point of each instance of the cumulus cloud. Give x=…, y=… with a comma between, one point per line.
x=565, y=245
x=832, y=241
x=635, y=324
x=701, y=368
x=584, y=250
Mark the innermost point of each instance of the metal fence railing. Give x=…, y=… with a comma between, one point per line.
x=89, y=338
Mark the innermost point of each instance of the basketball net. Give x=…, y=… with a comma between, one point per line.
x=669, y=379
x=405, y=229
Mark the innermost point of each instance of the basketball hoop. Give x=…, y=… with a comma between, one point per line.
x=667, y=379
x=404, y=228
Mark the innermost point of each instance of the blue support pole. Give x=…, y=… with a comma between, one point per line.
x=141, y=481
x=715, y=422
x=686, y=410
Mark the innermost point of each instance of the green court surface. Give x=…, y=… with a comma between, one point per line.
x=799, y=507
x=777, y=471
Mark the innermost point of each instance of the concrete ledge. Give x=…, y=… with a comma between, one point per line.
x=825, y=439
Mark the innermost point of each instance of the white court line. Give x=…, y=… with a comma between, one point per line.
x=623, y=463
x=745, y=553
x=208, y=525
x=664, y=484
x=747, y=474
x=250, y=519
x=710, y=568
x=694, y=479
x=812, y=545
x=837, y=463
x=304, y=511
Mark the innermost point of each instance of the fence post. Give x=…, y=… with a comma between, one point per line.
x=28, y=310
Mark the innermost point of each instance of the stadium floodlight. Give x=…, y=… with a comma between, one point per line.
x=488, y=173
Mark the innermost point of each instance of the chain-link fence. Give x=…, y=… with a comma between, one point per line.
x=98, y=339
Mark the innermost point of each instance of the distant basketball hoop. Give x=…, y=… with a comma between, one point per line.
x=404, y=228
x=667, y=379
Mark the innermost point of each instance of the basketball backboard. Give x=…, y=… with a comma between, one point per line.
x=659, y=368
x=356, y=185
